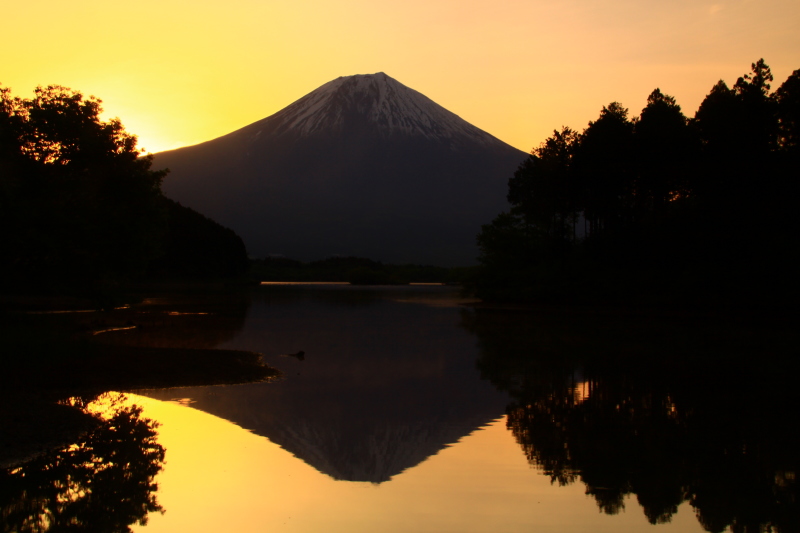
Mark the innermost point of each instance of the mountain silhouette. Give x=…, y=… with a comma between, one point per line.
x=363, y=435
x=362, y=166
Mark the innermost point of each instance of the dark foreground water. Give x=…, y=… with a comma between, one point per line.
x=403, y=410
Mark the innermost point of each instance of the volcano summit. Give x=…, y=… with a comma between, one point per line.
x=362, y=166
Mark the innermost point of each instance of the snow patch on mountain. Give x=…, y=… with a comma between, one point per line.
x=380, y=100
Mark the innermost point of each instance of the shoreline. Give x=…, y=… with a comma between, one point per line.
x=54, y=353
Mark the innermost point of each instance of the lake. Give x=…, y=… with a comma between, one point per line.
x=407, y=409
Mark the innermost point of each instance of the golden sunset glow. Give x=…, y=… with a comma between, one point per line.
x=179, y=73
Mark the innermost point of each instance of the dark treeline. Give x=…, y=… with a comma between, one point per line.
x=659, y=208
x=80, y=205
x=356, y=270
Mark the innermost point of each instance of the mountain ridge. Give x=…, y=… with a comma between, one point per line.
x=363, y=166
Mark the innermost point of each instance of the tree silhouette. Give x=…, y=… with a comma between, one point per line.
x=758, y=122
x=604, y=168
x=78, y=197
x=104, y=483
x=543, y=189
x=81, y=208
x=665, y=151
x=739, y=129
x=675, y=211
x=717, y=126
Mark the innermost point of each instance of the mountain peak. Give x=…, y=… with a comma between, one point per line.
x=380, y=75
x=361, y=166
x=380, y=102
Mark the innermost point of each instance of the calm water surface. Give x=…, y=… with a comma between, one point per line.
x=403, y=410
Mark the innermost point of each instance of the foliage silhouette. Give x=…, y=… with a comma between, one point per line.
x=604, y=168
x=103, y=483
x=78, y=198
x=543, y=190
x=666, y=150
x=82, y=210
x=674, y=211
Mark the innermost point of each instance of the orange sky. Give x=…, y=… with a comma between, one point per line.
x=178, y=72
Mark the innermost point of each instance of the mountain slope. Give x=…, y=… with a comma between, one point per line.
x=361, y=166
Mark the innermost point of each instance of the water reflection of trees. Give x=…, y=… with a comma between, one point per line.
x=666, y=411
x=103, y=483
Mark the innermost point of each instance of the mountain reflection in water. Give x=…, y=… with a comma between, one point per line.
x=383, y=384
x=674, y=414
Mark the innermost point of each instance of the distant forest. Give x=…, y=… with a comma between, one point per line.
x=80, y=206
x=658, y=208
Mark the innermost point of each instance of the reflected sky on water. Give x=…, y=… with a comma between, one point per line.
x=220, y=477
x=403, y=410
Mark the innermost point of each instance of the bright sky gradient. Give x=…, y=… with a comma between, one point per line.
x=177, y=72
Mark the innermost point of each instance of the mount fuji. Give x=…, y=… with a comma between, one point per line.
x=362, y=166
